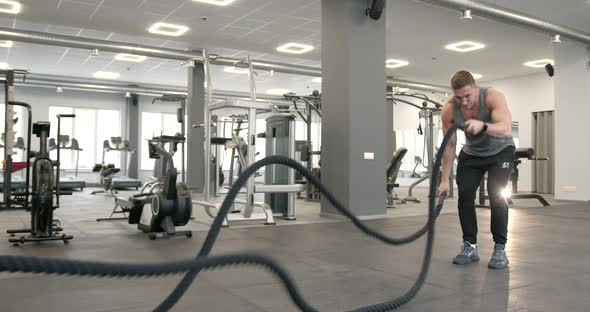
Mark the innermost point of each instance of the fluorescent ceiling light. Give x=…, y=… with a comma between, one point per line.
x=168, y=29
x=317, y=80
x=465, y=46
x=538, y=63
x=476, y=76
x=106, y=75
x=393, y=63
x=130, y=57
x=295, y=48
x=10, y=7
x=6, y=44
x=236, y=70
x=277, y=91
x=216, y=2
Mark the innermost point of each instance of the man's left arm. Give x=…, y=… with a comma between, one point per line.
x=501, y=126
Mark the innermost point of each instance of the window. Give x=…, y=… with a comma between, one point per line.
x=156, y=124
x=414, y=142
x=109, y=123
x=85, y=128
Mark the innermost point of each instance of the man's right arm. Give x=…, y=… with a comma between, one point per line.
x=449, y=154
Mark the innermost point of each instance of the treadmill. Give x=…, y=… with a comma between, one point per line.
x=120, y=182
x=18, y=183
x=69, y=182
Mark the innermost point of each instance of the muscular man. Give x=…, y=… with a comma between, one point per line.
x=489, y=148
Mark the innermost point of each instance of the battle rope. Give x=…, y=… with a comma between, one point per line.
x=203, y=261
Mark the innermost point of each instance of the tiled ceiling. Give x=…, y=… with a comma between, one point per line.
x=415, y=32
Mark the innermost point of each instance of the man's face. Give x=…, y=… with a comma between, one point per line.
x=466, y=96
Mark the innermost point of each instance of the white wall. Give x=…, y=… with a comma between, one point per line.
x=572, y=102
x=41, y=98
x=526, y=94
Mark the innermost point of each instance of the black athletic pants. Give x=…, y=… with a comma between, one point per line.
x=470, y=171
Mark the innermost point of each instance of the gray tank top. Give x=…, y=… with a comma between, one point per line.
x=485, y=145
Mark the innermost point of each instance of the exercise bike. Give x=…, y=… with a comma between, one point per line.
x=43, y=226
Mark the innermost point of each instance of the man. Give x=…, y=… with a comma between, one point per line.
x=489, y=148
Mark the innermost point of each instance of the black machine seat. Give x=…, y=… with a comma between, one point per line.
x=52, y=144
x=173, y=138
x=63, y=140
x=75, y=145
x=220, y=141
x=99, y=167
x=20, y=143
x=109, y=172
x=519, y=153
x=393, y=168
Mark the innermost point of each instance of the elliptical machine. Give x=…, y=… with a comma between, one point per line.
x=43, y=226
x=163, y=204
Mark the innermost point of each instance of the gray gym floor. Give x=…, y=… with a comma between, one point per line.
x=335, y=266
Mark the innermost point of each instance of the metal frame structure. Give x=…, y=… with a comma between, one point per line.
x=9, y=96
x=428, y=113
x=312, y=103
x=253, y=107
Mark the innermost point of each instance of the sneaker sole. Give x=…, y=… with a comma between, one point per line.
x=498, y=267
x=472, y=259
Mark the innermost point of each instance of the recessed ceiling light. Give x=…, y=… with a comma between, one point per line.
x=317, y=80
x=277, y=91
x=295, y=48
x=106, y=75
x=168, y=29
x=476, y=76
x=6, y=44
x=4, y=66
x=236, y=70
x=538, y=63
x=393, y=63
x=216, y=2
x=10, y=7
x=466, y=15
x=465, y=46
x=130, y=57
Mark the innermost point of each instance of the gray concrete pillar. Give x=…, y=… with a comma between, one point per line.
x=195, y=110
x=133, y=134
x=354, y=116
